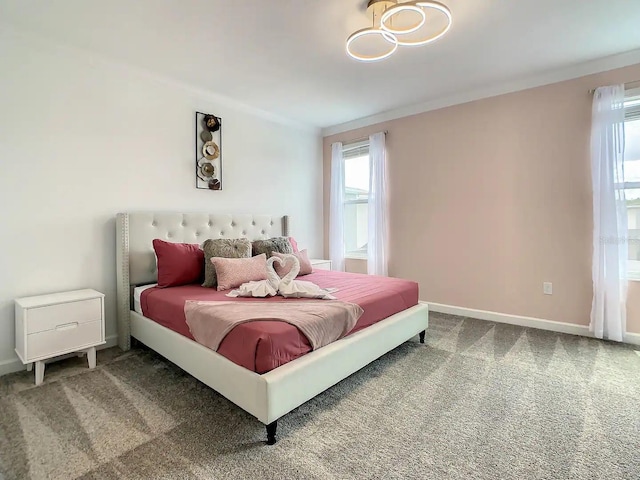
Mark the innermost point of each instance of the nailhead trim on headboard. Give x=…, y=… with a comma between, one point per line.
x=122, y=287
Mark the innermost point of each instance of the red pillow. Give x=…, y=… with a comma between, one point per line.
x=178, y=263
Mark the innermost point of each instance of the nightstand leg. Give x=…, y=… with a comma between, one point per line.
x=39, y=373
x=91, y=356
x=29, y=367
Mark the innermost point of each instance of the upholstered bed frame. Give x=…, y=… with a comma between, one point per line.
x=268, y=396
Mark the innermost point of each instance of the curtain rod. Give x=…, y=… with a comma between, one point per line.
x=361, y=139
x=635, y=83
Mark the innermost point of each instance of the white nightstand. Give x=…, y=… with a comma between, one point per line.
x=51, y=325
x=320, y=264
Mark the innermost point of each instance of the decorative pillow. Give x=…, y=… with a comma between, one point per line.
x=222, y=247
x=233, y=272
x=178, y=263
x=275, y=244
x=294, y=245
x=303, y=258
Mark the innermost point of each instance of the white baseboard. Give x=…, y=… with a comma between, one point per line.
x=632, y=338
x=531, y=322
x=15, y=365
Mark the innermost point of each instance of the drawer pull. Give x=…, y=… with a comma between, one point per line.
x=67, y=326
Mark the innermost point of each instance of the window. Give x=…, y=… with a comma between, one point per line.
x=356, y=198
x=632, y=178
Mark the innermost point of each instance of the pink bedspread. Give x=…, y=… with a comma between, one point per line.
x=264, y=345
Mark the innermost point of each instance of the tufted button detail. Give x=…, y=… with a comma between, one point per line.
x=233, y=224
x=271, y=223
x=253, y=223
x=263, y=232
x=169, y=235
x=244, y=233
x=197, y=234
x=210, y=224
x=221, y=234
x=154, y=224
x=184, y=224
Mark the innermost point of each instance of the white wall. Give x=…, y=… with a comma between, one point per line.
x=82, y=138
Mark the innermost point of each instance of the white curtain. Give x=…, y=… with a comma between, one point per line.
x=377, y=248
x=336, y=209
x=610, y=245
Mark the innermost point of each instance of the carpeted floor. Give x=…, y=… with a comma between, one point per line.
x=479, y=401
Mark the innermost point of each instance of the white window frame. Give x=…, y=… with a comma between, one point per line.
x=632, y=112
x=353, y=150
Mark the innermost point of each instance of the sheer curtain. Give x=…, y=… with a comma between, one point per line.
x=610, y=246
x=336, y=209
x=377, y=248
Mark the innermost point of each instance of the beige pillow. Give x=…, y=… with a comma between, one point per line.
x=233, y=272
x=222, y=247
x=303, y=258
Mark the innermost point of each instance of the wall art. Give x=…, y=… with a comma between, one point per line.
x=208, y=151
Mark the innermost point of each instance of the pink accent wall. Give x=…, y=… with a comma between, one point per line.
x=491, y=198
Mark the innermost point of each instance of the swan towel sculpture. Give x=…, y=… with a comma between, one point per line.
x=286, y=286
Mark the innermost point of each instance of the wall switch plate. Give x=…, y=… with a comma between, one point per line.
x=547, y=288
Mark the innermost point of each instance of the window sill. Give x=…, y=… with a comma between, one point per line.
x=364, y=257
x=633, y=276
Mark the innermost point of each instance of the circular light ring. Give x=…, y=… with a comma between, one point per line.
x=424, y=4
x=403, y=7
x=389, y=37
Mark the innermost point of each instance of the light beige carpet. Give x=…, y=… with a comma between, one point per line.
x=478, y=401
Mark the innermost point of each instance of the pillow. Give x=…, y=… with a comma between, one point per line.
x=275, y=244
x=294, y=245
x=178, y=263
x=303, y=258
x=233, y=272
x=222, y=247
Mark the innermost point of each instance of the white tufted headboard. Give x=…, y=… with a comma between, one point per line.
x=135, y=258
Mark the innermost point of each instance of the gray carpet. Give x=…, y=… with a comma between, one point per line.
x=479, y=401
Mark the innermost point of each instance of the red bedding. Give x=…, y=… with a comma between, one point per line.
x=263, y=345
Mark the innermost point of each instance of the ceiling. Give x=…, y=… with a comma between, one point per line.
x=287, y=56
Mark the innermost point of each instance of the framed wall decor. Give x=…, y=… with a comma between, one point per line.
x=208, y=151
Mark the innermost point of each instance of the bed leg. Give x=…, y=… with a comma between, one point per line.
x=271, y=433
x=422, y=333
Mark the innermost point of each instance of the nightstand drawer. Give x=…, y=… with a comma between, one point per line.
x=65, y=338
x=46, y=318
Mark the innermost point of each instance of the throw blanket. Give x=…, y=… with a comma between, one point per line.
x=322, y=322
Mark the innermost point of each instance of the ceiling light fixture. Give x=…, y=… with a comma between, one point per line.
x=376, y=8
x=385, y=12
x=386, y=21
x=365, y=32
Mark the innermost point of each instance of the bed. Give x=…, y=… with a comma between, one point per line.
x=266, y=393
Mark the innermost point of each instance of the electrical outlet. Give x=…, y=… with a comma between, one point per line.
x=547, y=288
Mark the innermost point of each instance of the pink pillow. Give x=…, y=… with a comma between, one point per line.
x=303, y=258
x=178, y=263
x=233, y=272
x=294, y=244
